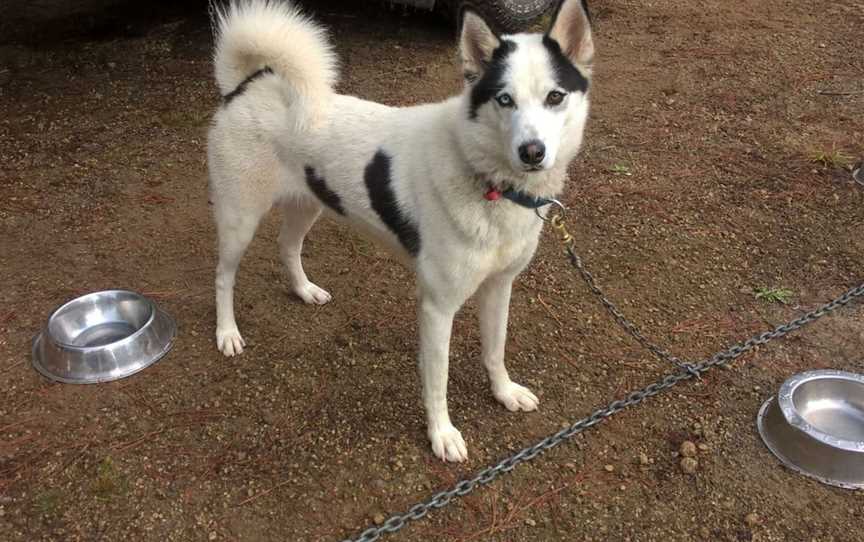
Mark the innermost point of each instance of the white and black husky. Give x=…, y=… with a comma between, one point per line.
x=425, y=181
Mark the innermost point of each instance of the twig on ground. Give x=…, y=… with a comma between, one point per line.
x=10, y=367
x=74, y=460
x=13, y=424
x=263, y=493
x=837, y=93
x=549, y=310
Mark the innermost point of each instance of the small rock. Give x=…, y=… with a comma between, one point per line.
x=688, y=449
x=530, y=522
x=643, y=458
x=703, y=447
x=688, y=465
x=212, y=536
x=705, y=533
x=112, y=65
x=609, y=468
x=751, y=519
x=378, y=518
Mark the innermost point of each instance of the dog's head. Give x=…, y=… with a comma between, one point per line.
x=526, y=98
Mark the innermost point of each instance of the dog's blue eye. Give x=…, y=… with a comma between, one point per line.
x=504, y=100
x=555, y=98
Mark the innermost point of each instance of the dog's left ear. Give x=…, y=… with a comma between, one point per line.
x=571, y=28
x=476, y=45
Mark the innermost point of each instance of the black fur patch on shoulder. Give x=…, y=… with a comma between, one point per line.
x=378, y=178
x=241, y=88
x=568, y=75
x=319, y=187
x=490, y=84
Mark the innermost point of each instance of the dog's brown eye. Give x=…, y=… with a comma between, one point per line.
x=504, y=100
x=554, y=98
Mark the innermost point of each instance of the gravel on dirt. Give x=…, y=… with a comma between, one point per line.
x=713, y=165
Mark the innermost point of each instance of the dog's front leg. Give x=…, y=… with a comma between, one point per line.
x=436, y=323
x=494, y=304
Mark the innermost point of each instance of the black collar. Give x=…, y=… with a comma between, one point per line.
x=525, y=200
x=519, y=198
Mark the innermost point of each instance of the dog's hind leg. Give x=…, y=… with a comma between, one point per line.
x=298, y=215
x=235, y=230
x=493, y=299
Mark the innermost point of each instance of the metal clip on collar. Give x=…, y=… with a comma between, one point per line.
x=556, y=218
x=560, y=215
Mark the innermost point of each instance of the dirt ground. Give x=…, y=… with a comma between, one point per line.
x=699, y=183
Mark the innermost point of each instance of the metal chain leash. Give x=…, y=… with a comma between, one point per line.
x=567, y=240
x=618, y=316
x=686, y=371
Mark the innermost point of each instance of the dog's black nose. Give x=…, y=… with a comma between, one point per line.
x=532, y=153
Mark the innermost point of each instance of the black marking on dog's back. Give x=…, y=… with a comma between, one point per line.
x=492, y=81
x=241, y=88
x=378, y=178
x=319, y=187
x=567, y=75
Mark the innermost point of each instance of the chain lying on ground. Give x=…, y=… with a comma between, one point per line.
x=619, y=317
x=567, y=240
x=686, y=371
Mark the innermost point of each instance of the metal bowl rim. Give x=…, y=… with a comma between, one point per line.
x=769, y=443
x=37, y=364
x=75, y=348
x=794, y=419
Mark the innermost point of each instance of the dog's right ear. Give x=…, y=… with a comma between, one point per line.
x=476, y=45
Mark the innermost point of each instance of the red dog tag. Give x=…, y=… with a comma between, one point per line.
x=492, y=194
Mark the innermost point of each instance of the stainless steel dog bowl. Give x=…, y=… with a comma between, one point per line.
x=102, y=336
x=815, y=426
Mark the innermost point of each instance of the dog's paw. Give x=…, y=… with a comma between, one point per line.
x=229, y=341
x=447, y=444
x=312, y=294
x=516, y=397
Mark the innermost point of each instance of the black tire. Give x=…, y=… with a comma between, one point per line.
x=505, y=16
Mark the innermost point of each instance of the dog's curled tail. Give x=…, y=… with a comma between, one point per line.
x=252, y=35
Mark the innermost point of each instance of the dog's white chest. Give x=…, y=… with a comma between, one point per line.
x=511, y=245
